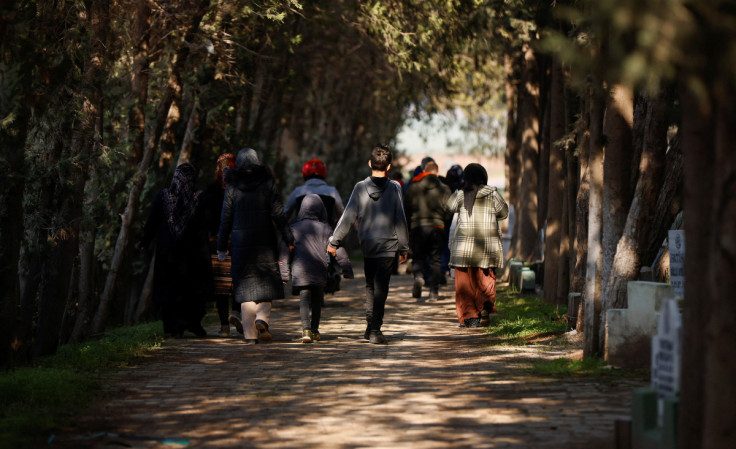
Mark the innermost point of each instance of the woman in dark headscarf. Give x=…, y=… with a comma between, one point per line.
x=251, y=213
x=475, y=245
x=454, y=177
x=182, y=273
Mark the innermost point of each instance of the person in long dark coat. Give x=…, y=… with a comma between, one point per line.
x=182, y=272
x=251, y=212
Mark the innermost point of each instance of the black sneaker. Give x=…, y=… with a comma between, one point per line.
x=263, y=333
x=367, y=334
x=377, y=338
x=416, y=291
x=315, y=335
x=472, y=322
x=234, y=319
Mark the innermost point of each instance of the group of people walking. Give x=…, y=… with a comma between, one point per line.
x=270, y=244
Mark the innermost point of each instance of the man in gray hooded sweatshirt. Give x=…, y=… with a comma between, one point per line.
x=376, y=205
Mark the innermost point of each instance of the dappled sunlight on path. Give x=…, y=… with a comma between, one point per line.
x=433, y=386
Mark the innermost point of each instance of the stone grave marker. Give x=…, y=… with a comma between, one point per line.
x=667, y=352
x=676, y=240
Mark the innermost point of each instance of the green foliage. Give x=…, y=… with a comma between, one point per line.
x=36, y=400
x=591, y=367
x=113, y=350
x=645, y=43
x=523, y=316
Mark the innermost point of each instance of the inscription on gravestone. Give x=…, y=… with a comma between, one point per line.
x=666, y=351
x=676, y=240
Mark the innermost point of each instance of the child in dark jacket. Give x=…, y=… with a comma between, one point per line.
x=308, y=263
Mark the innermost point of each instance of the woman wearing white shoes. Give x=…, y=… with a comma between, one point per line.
x=251, y=212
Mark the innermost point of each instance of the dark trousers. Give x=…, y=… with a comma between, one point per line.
x=310, y=297
x=377, y=276
x=223, y=303
x=426, y=244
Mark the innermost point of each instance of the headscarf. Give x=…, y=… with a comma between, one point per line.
x=474, y=176
x=454, y=177
x=180, y=199
x=224, y=162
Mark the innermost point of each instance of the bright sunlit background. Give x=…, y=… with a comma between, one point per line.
x=452, y=139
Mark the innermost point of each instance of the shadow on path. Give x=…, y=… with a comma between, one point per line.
x=433, y=386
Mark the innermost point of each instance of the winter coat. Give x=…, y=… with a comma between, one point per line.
x=426, y=201
x=309, y=259
x=250, y=209
x=211, y=199
x=476, y=240
x=379, y=211
x=329, y=195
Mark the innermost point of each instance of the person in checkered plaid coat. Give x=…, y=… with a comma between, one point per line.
x=475, y=246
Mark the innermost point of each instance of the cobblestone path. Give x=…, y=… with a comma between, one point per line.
x=433, y=386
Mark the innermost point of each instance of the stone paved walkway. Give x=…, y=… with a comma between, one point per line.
x=433, y=386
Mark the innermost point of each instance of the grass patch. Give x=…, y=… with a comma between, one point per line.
x=521, y=317
x=38, y=399
x=585, y=368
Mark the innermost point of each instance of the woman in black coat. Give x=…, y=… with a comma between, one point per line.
x=182, y=275
x=251, y=208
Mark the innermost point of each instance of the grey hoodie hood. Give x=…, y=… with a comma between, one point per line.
x=374, y=190
x=312, y=208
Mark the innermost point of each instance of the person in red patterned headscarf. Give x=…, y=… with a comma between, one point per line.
x=212, y=198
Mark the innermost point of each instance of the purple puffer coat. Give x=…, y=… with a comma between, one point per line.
x=309, y=259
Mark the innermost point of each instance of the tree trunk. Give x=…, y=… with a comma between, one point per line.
x=563, y=271
x=669, y=202
x=529, y=128
x=11, y=235
x=592, y=290
x=698, y=144
x=146, y=298
x=512, y=155
x=571, y=191
x=545, y=141
x=59, y=270
x=555, y=192
x=139, y=81
x=86, y=284
x=720, y=331
x=13, y=166
x=513, y=151
x=185, y=154
x=582, y=199
x=131, y=210
x=617, y=128
x=627, y=261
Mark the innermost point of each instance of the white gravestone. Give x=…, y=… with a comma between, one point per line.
x=676, y=240
x=667, y=351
